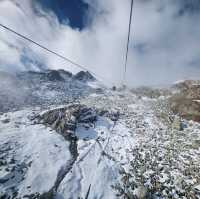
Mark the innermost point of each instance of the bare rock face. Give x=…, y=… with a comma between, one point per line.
x=65, y=120
x=54, y=75
x=84, y=76
x=186, y=102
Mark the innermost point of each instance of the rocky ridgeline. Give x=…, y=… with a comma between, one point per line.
x=42, y=89
x=57, y=75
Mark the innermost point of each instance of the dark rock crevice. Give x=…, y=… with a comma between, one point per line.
x=64, y=121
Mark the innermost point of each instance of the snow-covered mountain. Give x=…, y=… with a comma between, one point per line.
x=66, y=136
x=51, y=87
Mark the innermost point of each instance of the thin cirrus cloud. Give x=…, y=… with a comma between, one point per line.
x=164, y=43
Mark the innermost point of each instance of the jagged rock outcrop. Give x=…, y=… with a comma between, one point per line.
x=65, y=120
x=54, y=75
x=84, y=76
x=65, y=74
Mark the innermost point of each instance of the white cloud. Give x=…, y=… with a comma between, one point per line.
x=164, y=46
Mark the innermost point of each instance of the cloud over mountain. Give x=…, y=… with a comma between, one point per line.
x=164, y=39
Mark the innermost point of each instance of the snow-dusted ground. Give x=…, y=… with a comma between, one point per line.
x=39, y=153
x=31, y=155
x=103, y=150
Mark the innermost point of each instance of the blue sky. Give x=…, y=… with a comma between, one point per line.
x=164, y=43
x=73, y=10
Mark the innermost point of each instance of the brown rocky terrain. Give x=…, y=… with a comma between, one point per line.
x=186, y=101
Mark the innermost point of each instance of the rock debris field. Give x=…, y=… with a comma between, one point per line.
x=108, y=144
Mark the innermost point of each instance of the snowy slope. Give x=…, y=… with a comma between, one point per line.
x=87, y=149
x=31, y=155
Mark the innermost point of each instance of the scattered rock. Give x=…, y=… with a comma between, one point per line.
x=114, y=116
x=87, y=115
x=41, y=89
